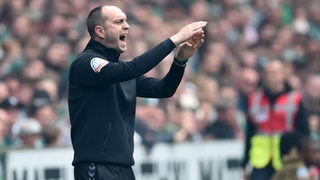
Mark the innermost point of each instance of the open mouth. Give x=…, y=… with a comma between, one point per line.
x=123, y=38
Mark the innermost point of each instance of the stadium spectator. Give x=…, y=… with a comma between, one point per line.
x=4, y=129
x=151, y=125
x=247, y=82
x=312, y=93
x=30, y=134
x=314, y=125
x=299, y=155
x=51, y=136
x=226, y=125
x=188, y=131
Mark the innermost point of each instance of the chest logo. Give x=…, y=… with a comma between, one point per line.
x=97, y=64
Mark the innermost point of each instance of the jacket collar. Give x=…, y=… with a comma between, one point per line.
x=109, y=53
x=287, y=88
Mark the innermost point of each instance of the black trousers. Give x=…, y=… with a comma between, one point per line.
x=93, y=171
x=262, y=174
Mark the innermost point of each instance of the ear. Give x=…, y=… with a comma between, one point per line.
x=100, y=32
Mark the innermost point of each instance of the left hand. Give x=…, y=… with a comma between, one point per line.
x=187, y=49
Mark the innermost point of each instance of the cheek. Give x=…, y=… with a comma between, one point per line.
x=111, y=35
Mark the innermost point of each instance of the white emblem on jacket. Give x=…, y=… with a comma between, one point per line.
x=97, y=64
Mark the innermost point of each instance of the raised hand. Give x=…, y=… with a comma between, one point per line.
x=188, y=32
x=188, y=48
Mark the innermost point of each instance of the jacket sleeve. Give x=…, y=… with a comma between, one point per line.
x=302, y=125
x=160, y=88
x=120, y=71
x=250, y=131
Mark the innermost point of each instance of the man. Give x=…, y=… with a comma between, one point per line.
x=103, y=91
x=247, y=83
x=299, y=155
x=226, y=125
x=271, y=111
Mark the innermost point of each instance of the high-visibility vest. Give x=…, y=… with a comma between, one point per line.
x=271, y=123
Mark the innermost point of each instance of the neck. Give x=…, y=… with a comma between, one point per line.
x=276, y=88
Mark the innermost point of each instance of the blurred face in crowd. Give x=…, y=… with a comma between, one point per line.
x=115, y=30
x=154, y=117
x=209, y=89
x=22, y=27
x=274, y=76
x=4, y=92
x=4, y=123
x=248, y=80
x=229, y=115
x=312, y=87
x=229, y=92
x=311, y=153
x=46, y=115
x=188, y=121
x=57, y=55
x=34, y=69
x=314, y=123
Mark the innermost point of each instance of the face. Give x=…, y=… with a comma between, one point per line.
x=4, y=123
x=228, y=116
x=274, y=75
x=115, y=29
x=248, y=80
x=312, y=154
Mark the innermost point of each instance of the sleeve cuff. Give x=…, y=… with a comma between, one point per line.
x=179, y=62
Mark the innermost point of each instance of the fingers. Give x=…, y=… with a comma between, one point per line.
x=197, y=39
x=188, y=32
x=198, y=25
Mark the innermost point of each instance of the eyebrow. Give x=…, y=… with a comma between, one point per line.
x=120, y=18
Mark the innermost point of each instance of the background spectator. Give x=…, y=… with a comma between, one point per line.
x=30, y=134
x=226, y=126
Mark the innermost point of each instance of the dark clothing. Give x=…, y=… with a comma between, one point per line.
x=92, y=171
x=219, y=130
x=102, y=104
x=262, y=174
x=301, y=123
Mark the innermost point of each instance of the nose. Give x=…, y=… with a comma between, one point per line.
x=126, y=25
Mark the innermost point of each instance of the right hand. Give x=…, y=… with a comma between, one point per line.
x=188, y=48
x=245, y=174
x=187, y=32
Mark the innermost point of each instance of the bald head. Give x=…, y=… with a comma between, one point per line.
x=99, y=15
x=110, y=9
x=274, y=76
x=108, y=25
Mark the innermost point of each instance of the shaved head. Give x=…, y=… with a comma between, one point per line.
x=99, y=15
x=108, y=25
x=273, y=75
x=94, y=19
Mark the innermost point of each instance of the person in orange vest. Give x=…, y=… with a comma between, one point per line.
x=272, y=110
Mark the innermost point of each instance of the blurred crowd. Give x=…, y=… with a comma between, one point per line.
x=40, y=38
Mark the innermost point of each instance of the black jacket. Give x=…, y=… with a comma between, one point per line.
x=102, y=104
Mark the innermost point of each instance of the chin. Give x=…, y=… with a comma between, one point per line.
x=122, y=50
